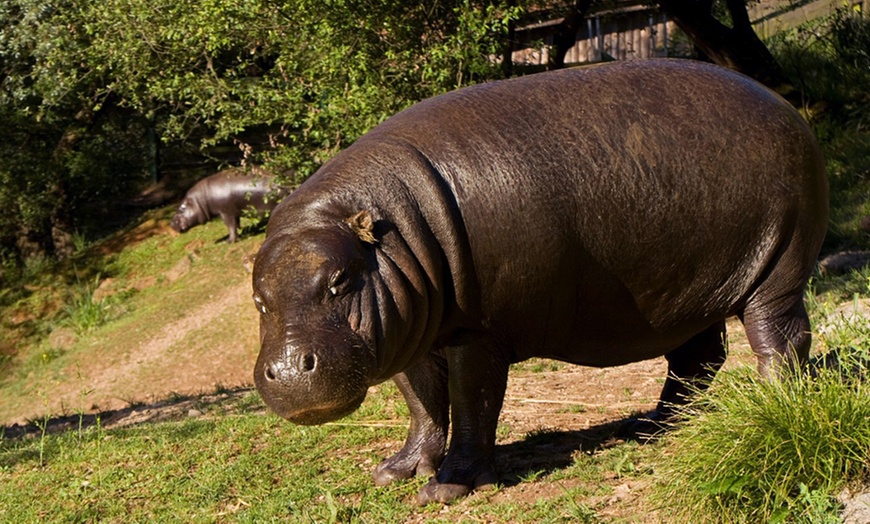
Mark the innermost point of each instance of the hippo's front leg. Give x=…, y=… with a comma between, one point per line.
x=424, y=386
x=477, y=377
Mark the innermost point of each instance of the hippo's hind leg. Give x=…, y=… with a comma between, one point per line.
x=774, y=316
x=424, y=386
x=691, y=367
x=779, y=333
x=232, y=223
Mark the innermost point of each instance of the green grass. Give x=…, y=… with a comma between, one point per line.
x=247, y=466
x=756, y=450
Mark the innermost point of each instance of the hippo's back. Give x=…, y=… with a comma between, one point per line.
x=670, y=186
x=630, y=204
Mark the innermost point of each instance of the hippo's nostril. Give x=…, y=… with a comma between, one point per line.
x=270, y=375
x=309, y=362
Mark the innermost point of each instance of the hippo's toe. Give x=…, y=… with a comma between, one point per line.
x=444, y=493
x=401, y=467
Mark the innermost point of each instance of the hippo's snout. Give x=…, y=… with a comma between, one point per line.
x=178, y=223
x=310, y=388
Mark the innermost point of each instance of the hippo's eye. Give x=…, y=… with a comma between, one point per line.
x=337, y=282
x=261, y=307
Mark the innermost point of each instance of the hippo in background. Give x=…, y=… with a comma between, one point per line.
x=228, y=193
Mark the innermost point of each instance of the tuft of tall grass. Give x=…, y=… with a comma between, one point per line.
x=83, y=313
x=758, y=450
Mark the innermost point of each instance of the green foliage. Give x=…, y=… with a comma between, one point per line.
x=318, y=73
x=829, y=62
x=48, y=101
x=89, y=86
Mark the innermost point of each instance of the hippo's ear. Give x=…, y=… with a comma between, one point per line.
x=363, y=225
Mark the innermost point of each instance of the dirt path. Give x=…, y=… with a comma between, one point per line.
x=155, y=368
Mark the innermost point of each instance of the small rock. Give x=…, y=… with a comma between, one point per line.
x=62, y=338
x=104, y=290
x=856, y=507
x=620, y=492
x=843, y=262
x=143, y=283
x=852, y=310
x=194, y=413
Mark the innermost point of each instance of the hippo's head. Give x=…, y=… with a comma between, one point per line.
x=312, y=289
x=189, y=214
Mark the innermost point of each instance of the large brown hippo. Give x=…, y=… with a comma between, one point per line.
x=598, y=216
x=227, y=193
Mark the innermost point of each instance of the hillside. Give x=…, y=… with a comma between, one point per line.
x=184, y=324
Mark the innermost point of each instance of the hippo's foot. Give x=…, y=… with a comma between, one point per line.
x=406, y=464
x=647, y=426
x=456, y=486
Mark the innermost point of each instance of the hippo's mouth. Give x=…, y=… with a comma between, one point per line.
x=318, y=415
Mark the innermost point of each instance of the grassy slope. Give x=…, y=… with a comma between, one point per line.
x=172, y=317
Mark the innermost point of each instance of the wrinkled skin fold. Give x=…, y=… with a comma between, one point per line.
x=597, y=216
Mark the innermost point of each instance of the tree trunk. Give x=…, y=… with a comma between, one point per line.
x=61, y=222
x=737, y=47
x=507, y=61
x=566, y=34
x=61, y=225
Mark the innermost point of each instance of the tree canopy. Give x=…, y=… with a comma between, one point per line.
x=93, y=92
x=90, y=90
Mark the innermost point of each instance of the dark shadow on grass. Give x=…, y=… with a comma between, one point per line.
x=547, y=451
x=176, y=407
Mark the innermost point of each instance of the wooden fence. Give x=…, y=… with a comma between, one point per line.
x=637, y=30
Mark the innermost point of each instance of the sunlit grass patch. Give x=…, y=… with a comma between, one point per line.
x=758, y=450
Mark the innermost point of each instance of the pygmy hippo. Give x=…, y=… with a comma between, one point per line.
x=227, y=193
x=597, y=216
